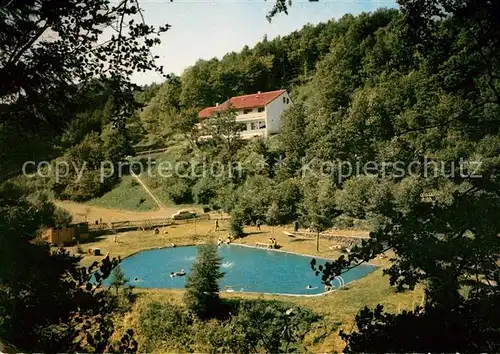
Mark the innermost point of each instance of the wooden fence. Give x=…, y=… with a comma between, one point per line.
x=144, y=224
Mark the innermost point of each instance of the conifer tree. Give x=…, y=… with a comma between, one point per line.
x=202, y=286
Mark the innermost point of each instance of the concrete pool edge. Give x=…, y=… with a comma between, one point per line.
x=375, y=267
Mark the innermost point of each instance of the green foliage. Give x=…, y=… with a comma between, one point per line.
x=225, y=132
x=118, y=279
x=254, y=198
x=205, y=190
x=442, y=226
x=62, y=217
x=202, y=286
x=275, y=327
x=179, y=190
x=127, y=195
x=237, y=224
x=273, y=215
x=165, y=322
x=318, y=207
x=80, y=171
x=253, y=326
x=55, y=305
x=362, y=195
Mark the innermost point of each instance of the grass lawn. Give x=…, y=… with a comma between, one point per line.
x=338, y=308
x=128, y=195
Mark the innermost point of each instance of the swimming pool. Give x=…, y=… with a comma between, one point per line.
x=246, y=269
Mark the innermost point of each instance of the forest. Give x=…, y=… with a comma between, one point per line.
x=417, y=87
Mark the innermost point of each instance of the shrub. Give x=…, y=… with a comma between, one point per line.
x=204, y=191
x=179, y=190
x=236, y=224
x=62, y=217
x=165, y=323
x=269, y=326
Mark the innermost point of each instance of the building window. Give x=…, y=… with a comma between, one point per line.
x=261, y=109
x=252, y=126
x=287, y=101
x=246, y=111
x=284, y=99
x=261, y=125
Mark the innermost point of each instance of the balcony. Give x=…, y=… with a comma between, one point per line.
x=251, y=116
x=249, y=134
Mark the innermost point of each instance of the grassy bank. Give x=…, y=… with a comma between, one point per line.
x=128, y=195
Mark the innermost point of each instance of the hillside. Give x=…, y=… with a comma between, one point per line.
x=394, y=130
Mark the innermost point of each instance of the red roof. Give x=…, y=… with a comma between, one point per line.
x=242, y=102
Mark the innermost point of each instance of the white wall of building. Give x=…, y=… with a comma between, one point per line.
x=274, y=110
x=267, y=121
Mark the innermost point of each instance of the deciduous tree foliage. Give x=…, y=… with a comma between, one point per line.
x=52, y=54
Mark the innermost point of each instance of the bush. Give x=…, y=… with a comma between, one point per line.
x=62, y=217
x=204, y=191
x=236, y=224
x=179, y=191
x=202, y=286
x=165, y=323
x=263, y=326
x=254, y=326
x=344, y=222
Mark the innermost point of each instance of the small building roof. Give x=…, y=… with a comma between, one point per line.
x=242, y=102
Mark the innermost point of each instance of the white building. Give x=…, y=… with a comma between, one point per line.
x=259, y=112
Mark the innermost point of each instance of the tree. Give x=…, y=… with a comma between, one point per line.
x=62, y=217
x=438, y=237
x=237, y=223
x=40, y=69
x=273, y=215
x=318, y=206
x=202, y=287
x=225, y=132
x=47, y=301
x=118, y=279
x=51, y=52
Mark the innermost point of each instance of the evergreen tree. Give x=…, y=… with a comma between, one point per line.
x=202, y=287
x=118, y=279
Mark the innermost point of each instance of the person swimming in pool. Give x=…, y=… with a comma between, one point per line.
x=309, y=287
x=178, y=274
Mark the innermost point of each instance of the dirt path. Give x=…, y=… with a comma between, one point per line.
x=160, y=205
x=84, y=212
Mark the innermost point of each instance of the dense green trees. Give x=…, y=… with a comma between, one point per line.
x=64, y=78
x=47, y=301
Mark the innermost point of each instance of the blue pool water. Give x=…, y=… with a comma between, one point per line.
x=246, y=269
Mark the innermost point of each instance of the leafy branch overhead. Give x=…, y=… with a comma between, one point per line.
x=52, y=50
